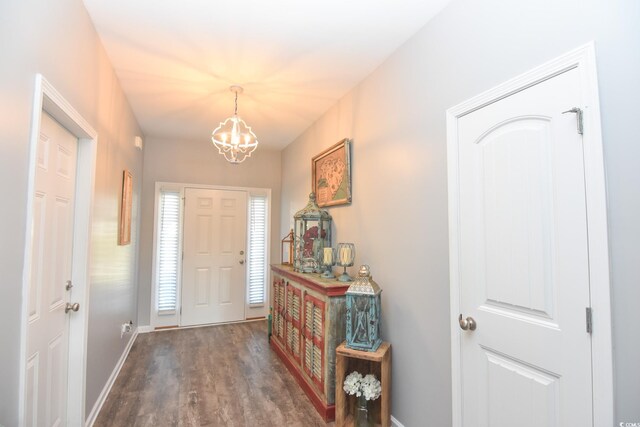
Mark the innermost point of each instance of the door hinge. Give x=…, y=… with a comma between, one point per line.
x=579, y=118
x=589, y=319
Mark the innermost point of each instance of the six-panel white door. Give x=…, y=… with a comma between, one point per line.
x=524, y=261
x=213, y=281
x=48, y=325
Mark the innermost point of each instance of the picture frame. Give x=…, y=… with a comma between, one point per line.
x=124, y=227
x=331, y=175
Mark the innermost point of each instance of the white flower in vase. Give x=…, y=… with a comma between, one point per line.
x=370, y=387
x=352, y=383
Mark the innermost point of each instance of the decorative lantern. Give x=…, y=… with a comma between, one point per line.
x=286, y=249
x=363, y=312
x=312, y=233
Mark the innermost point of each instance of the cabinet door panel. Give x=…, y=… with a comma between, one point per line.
x=293, y=321
x=314, y=340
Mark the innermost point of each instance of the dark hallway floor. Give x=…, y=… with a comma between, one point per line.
x=210, y=376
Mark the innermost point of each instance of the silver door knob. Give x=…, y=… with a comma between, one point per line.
x=72, y=307
x=467, y=324
x=241, y=261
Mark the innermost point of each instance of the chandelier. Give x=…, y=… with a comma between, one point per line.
x=233, y=138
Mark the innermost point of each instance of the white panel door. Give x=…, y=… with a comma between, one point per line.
x=48, y=325
x=215, y=236
x=524, y=261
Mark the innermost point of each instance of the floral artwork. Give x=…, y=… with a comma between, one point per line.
x=331, y=174
x=331, y=178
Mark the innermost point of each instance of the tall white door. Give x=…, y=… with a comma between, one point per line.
x=215, y=236
x=524, y=261
x=48, y=324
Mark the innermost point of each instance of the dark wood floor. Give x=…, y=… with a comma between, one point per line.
x=212, y=376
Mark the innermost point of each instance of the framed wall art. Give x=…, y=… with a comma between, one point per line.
x=331, y=175
x=124, y=228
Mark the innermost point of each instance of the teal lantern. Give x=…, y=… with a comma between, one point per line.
x=363, y=312
x=312, y=233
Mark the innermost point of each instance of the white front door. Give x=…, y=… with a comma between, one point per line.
x=215, y=236
x=523, y=261
x=48, y=325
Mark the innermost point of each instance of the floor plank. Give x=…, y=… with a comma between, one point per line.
x=211, y=376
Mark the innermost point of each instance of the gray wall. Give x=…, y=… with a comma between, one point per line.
x=398, y=219
x=198, y=162
x=58, y=40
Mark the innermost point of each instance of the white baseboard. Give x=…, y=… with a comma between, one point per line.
x=145, y=329
x=395, y=423
x=107, y=387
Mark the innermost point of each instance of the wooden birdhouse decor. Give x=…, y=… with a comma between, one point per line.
x=363, y=312
x=312, y=233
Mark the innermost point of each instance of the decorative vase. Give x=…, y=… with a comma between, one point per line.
x=362, y=418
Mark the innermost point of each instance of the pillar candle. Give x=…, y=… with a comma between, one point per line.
x=345, y=255
x=328, y=256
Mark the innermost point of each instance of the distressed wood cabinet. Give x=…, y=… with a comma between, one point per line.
x=308, y=325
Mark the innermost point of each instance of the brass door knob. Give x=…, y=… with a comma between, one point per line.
x=467, y=324
x=72, y=307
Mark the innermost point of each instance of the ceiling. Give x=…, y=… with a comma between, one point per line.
x=176, y=59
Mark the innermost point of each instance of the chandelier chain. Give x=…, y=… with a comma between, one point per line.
x=235, y=110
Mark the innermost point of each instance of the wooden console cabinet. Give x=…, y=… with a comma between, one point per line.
x=308, y=325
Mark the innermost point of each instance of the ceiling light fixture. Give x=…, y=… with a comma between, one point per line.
x=233, y=138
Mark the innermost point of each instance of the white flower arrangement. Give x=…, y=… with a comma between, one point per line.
x=352, y=383
x=367, y=386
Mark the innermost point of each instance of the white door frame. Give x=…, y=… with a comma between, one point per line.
x=173, y=319
x=49, y=100
x=582, y=58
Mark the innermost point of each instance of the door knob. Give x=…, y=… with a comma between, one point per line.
x=241, y=261
x=467, y=324
x=72, y=307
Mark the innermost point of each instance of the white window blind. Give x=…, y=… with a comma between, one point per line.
x=257, y=249
x=168, y=247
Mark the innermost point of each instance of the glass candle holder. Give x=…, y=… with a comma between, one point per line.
x=328, y=261
x=345, y=254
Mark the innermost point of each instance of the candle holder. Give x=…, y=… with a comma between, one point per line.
x=286, y=249
x=328, y=261
x=346, y=254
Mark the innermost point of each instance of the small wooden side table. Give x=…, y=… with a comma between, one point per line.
x=375, y=362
